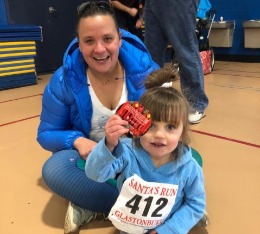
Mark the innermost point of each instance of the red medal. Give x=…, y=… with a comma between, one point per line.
x=137, y=116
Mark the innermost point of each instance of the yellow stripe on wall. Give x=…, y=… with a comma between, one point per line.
x=16, y=67
x=18, y=48
x=17, y=62
x=17, y=72
x=17, y=54
x=17, y=43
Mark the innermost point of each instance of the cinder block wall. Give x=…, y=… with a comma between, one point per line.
x=238, y=10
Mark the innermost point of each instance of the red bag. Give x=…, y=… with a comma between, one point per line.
x=206, y=59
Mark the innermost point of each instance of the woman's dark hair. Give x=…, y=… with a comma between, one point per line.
x=94, y=8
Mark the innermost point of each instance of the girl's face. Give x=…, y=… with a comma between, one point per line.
x=161, y=140
x=99, y=42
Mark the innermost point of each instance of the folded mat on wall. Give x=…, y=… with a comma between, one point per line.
x=16, y=49
x=18, y=32
x=17, y=53
x=17, y=81
x=17, y=72
x=16, y=66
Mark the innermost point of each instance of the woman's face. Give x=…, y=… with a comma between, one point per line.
x=99, y=42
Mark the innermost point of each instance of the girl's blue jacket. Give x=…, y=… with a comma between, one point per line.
x=127, y=160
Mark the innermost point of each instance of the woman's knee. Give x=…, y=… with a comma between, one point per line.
x=59, y=165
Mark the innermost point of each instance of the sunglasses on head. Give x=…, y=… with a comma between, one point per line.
x=91, y=5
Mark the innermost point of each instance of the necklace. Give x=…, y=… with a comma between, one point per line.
x=109, y=79
x=104, y=83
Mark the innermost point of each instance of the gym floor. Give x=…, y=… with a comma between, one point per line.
x=228, y=140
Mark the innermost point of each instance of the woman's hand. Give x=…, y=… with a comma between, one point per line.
x=114, y=129
x=84, y=146
x=153, y=232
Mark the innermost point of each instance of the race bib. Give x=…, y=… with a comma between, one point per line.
x=142, y=205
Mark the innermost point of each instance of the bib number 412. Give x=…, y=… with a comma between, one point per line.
x=134, y=205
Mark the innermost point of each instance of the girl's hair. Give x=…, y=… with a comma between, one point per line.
x=94, y=8
x=165, y=103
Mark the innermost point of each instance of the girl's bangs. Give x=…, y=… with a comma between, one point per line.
x=165, y=107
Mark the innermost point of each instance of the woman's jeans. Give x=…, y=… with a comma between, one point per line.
x=63, y=177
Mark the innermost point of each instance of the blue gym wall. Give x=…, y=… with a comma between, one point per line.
x=3, y=17
x=238, y=10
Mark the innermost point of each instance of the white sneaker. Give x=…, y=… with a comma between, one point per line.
x=75, y=217
x=204, y=221
x=196, y=116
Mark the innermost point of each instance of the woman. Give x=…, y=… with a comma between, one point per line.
x=102, y=68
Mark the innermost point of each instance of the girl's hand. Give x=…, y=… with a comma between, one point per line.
x=84, y=146
x=114, y=129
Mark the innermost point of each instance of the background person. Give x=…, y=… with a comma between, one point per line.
x=102, y=68
x=174, y=22
x=129, y=15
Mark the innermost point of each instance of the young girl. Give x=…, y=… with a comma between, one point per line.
x=161, y=184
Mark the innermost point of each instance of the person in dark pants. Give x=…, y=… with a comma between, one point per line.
x=174, y=22
x=129, y=15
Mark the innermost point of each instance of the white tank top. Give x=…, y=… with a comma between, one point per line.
x=101, y=114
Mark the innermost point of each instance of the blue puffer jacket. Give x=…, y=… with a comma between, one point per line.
x=66, y=105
